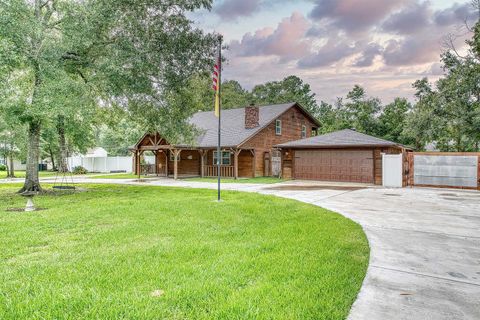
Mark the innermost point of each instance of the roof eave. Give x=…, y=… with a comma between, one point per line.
x=349, y=146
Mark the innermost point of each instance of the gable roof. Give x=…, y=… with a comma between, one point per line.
x=343, y=139
x=233, y=128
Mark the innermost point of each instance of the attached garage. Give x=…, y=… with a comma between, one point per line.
x=343, y=156
x=334, y=165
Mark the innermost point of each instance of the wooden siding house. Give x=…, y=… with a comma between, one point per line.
x=248, y=138
x=340, y=156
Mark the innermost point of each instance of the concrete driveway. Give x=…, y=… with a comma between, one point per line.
x=425, y=244
x=425, y=249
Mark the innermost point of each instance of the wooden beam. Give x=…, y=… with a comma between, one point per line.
x=138, y=163
x=235, y=163
x=176, y=154
x=167, y=159
x=202, y=162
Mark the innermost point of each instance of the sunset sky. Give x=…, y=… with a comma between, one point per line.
x=383, y=45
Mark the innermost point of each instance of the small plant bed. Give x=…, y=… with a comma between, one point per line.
x=136, y=252
x=259, y=180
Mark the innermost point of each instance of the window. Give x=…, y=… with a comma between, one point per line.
x=304, y=131
x=226, y=158
x=278, y=127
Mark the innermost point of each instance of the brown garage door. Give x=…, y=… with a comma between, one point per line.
x=334, y=165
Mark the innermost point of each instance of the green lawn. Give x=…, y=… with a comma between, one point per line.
x=118, y=176
x=21, y=174
x=101, y=253
x=259, y=180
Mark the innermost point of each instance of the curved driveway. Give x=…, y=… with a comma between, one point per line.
x=425, y=244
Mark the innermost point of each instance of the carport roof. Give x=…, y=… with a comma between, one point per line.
x=340, y=139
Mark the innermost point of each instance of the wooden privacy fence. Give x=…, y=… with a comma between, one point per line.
x=444, y=169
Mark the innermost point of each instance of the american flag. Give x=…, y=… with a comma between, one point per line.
x=216, y=86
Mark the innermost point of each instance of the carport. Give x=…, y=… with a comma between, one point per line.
x=341, y=156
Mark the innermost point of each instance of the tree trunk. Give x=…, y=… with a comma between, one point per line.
x=52, y=157
x=11, y=169
x=32, y=182
x=62, y=156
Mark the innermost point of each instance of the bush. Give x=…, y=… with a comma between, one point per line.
x=79, y=170
x=3, y=167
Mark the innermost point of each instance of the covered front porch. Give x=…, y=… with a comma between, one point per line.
x=183, y=162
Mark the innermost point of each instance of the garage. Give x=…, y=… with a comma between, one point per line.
x=343, y=156
x=335, y=165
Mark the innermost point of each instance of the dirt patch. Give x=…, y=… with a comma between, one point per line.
x=306, y=188
x=392, y=195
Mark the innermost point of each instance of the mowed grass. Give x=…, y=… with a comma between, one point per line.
x=21, y=174
x=258, y=180
x=133, y=252
x=120, y=176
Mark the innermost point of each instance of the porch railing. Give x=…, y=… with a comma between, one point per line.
x=225, y=171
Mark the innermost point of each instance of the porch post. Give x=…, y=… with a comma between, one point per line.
x=156, y=162
x=202, y=163
x=167, y=159
x=176, y=154
x=235, y=163
x=137, y=162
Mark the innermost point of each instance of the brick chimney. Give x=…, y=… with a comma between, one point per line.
x=252, y=117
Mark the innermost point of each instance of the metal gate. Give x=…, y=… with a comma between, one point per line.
x=457, y=170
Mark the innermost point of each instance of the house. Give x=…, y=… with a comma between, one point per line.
x=344, y=156
x=248, y=137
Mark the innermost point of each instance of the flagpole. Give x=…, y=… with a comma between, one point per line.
x=219, y=151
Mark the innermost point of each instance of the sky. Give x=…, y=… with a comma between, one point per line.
x=382, y=45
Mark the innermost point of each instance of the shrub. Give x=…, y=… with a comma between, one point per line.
x=79, y=170
x=3, y=167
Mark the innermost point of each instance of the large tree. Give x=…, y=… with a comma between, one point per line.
x=392, y=121
x=290, y=89
x=135, y=54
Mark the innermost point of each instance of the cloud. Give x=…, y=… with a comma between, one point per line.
x=286, y=41
x=456, y=14
x=368, y=55
x=411, y=19
x=412, y=50
x=353, y=15
x=233, y=9
x=333, y=51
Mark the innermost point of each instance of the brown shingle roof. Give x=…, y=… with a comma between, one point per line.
x=340, y=139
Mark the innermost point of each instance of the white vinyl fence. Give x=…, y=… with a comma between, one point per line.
x=102, y=164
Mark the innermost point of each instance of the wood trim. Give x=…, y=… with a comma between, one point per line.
x=459, y=154
x=254, y=163
x=478, y=174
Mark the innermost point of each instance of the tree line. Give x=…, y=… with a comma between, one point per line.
x=75, y=74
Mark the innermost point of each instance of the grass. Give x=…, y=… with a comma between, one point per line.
x=117, y=176
x=136, y=252
x=21, y=174
x=259, y=180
